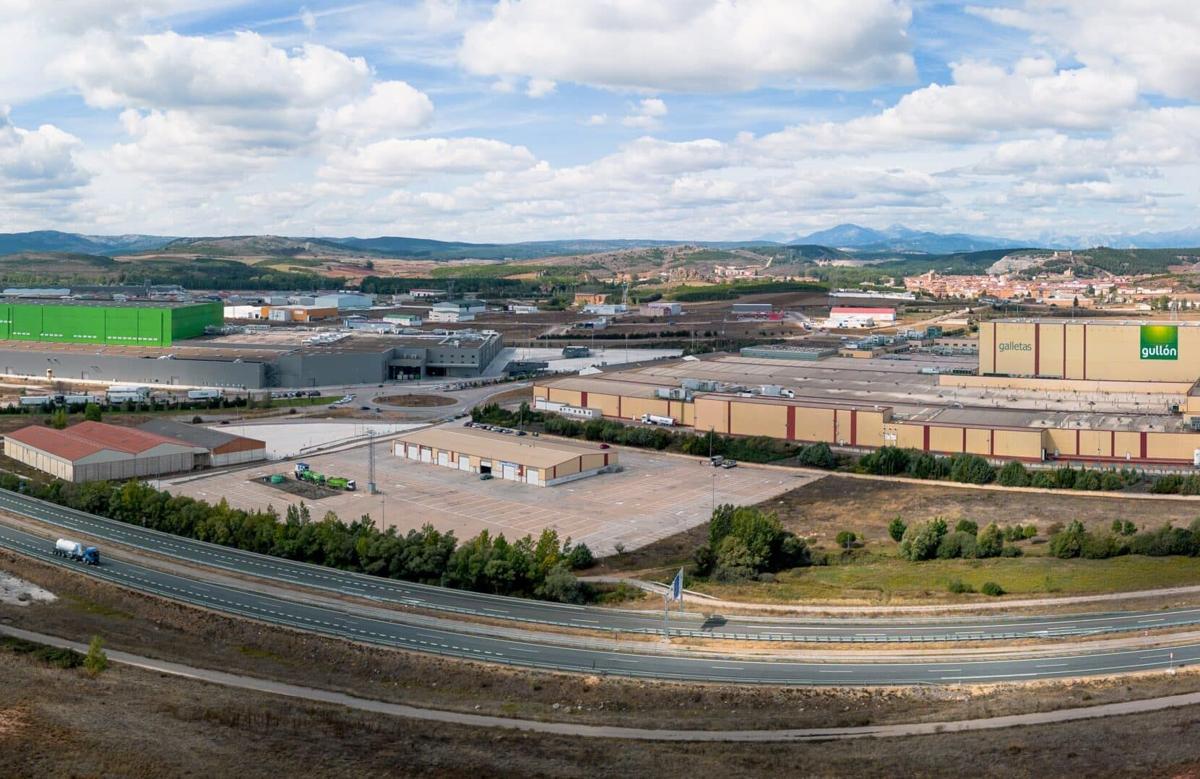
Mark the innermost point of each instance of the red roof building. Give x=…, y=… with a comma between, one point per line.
x=94, y=451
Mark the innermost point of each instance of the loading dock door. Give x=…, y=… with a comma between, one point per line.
x=464, y=463
x=509, y=471
x=414, y=452
x=485, y=466
x=531, y=476
x=426, y=455
x=443, y=458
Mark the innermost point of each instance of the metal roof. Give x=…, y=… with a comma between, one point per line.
x=86, y=438
x=198, y=435
x=525, y=450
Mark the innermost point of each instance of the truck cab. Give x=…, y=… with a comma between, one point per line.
x=91, y=555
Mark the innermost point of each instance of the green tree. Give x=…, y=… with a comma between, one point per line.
x=846, y=539
x=1013, y=474
x=966, y=526
x=896, y=528
x=971, y=469
x=817, y=455
x=58, y=420
x=989, y=542
x=1069, y=542
x=921, y=542
x=95, y=662
x=91, y=412
x=720, y=525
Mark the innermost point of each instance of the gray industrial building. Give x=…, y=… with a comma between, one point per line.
x=221, y=362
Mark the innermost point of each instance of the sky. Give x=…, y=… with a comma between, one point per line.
x=511, y=120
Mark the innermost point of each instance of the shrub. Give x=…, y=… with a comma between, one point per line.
x=991, y=588
x=1170, y=484
x=580, y=557
x=1111, y=481
x=990, y=542
x=846, y=539
x=955, y=545
x=1065, y=478
x=1011, y=551
x=562, y=586
x=897, y=527
x=926, y=466
x=885, y=461
x=95, y=662
x=197, y=420
x=1044, y=480
x=1087, y=480
x=1030, y=531
x=921, y=542
x=1098, y=547
x=1069, y=542
x=966, y=526
x=1013, y=474
x=91, y=412
x=958, y=586
x=817, y=456
x=971, y=469
x=1190, y=486
x=704, y=560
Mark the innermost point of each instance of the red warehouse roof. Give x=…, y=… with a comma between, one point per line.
x=87, y=438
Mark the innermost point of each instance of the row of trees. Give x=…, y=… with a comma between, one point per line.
x=973, y=469
x=1075, y=540
x=527, y=567
x=934, y=539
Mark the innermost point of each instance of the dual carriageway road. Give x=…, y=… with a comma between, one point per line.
x=394, y=631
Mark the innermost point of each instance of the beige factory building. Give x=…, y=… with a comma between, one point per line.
x=94, y=451
x=1091, y=349
x=532, y=460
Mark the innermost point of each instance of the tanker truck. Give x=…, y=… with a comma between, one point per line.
x=73, y=550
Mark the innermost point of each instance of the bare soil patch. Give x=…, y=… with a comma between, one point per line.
x=416, y=401
x=834, y=503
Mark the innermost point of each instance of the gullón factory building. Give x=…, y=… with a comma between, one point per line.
x=1091, y=350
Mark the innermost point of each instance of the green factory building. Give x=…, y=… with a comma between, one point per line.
x=134, y=323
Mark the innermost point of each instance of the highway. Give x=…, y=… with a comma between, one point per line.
x=441, y=599
x=343, y=623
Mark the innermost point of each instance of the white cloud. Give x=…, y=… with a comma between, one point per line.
x=595, y=120
x=695, y=45
x=392, y=107
x=38, y=161
x=243, y=73
x=1156, y=41
x=539, y=87
x=646, y=114
x=396, y=160
x=982, y=102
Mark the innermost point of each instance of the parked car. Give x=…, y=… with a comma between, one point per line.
x=485, y=476
x=729, y=464
x=605, y=446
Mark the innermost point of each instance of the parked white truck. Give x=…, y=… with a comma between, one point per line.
x=655, y=419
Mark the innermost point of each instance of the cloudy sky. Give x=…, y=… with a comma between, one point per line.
x=537, y=119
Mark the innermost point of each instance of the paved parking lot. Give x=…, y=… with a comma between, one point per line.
x=653, y=497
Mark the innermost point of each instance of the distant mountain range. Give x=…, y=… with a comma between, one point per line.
x=898, y=238
x=848, y=237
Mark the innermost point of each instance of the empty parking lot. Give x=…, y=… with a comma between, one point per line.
x=654, y=496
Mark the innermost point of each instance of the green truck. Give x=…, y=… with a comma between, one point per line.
x=305, y=473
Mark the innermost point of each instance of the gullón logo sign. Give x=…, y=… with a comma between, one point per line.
x=1014, y=346
x=1160, y=342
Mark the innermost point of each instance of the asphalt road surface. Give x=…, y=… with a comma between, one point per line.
x=343, y=623
x=809, y=630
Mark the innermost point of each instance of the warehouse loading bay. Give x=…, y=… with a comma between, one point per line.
x=652, y=497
